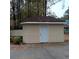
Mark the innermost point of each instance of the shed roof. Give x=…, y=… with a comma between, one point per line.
x=42, y=20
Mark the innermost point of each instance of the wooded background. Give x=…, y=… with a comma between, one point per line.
x=21, y=9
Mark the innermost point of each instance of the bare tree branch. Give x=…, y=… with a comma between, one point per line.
x=53, y=3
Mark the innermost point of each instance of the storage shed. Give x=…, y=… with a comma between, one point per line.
x=39, y=29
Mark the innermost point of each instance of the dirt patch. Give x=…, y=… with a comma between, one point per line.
x=38, y=45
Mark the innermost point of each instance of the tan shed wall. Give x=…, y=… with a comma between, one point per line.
x=31, y=34
x=56, y=33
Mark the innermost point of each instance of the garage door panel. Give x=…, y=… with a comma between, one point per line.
x=43, y=33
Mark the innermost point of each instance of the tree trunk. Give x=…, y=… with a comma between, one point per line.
x=37, y=1
x=14, y=17
x=29, y=8
x=45, y=4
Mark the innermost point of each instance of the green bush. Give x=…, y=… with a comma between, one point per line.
x=16, y=39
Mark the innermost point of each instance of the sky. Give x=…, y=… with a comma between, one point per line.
x=57, y=8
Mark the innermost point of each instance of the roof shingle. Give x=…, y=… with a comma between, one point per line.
x=42, y=19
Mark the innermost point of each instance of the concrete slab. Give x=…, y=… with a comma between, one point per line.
x=53, y=52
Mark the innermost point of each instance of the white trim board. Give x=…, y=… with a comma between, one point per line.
x=42, y=23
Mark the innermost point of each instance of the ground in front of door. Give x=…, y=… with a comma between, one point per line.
x=51, y=51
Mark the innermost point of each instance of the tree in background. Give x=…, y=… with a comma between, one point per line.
x=12, y=13
x=15, y=13
x=51, y=3
x=20, y=9
x=66, y=19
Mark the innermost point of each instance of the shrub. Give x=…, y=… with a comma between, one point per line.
x=16, y=39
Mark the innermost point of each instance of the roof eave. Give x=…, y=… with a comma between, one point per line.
x=42, y=23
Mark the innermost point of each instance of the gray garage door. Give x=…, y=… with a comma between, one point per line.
x=43, y=33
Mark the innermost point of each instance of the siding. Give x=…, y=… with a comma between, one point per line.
x=31, y=34
x=56, y=33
